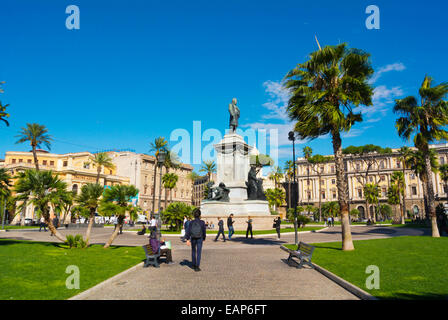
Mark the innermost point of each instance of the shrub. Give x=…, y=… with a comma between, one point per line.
x=75, y=241
x=303, y=220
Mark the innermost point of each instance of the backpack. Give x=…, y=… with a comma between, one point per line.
x=195, y=229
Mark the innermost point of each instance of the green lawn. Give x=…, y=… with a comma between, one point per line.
x=410, y=267
x=36, y=270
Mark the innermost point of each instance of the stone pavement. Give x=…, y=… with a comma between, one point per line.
x=237, y=269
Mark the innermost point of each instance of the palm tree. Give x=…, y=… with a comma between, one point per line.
x=41, y=189
x=169, y=182
x=102, y=160
x=117, y=201
x=172, y=161
x=443, y=171
x=36, y=135
x=404, y=158
x=276, y=175
x=324, y=91
x=331, y=209
x=4, y=114
x=397, y=179
x=371, y=193
x=5, y=192
x=275, y=197
x=393, y=197
x=208, y=166
x=426, y=122
x=307, y=152
x=89, y=198
x=159, y=144
x=192, y=176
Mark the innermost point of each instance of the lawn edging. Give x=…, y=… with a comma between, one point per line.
x=363, y=295
x=85, y=293
x=345, y=284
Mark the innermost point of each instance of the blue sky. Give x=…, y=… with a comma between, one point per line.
x=136, y=70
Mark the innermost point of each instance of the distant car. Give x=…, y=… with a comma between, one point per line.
x=28, y=222
x=142, y=219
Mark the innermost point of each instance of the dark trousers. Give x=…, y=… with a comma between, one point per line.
x=43, y=225
x=249, y=229
x=196, y=250
x=221, y=231
x=278, y=231
x=167, y=252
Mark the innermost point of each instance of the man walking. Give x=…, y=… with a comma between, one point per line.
x=230, y=225
x=277, y=224
x=196, y=232
x=43, y=224
x=249, y=228
x=221, y=230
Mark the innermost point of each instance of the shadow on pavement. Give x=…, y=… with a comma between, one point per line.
x=186, y=263
x=257, y=241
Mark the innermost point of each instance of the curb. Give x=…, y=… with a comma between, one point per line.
x=81, y=295
x=345, y=284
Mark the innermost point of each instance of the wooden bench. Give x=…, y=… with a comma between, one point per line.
x=151, y=258
x=304, y=253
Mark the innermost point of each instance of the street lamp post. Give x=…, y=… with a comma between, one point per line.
x=160, y=161
x=292, y=138
x=3, y=212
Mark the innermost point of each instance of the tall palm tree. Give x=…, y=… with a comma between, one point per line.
x=37, y=135
x=404, y=158
x=117, y=201
x=41, y=189
x=5, y=192
x=169, y=182
x=209, y=166
x=426, y=123
x=393, y=197
x=3, y=113
x=324, y=92
x=159, y=144
x=102, y=160
x=397, y=179
x=371, y=193
x=172, y=161
x=89, y=198
x=417, y=164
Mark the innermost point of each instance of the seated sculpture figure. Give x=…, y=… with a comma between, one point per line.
x=221, y=193
x=254, y=186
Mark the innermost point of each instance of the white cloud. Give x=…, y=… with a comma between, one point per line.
x=390, y=67
x=278, y=101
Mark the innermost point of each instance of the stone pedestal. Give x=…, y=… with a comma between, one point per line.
x=233, y=165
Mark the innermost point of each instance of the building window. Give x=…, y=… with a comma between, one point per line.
x=334, y=195
x=382, y=165
x=20, y=160
x=333, y=181
x=44, y=162
x=13, y=161
x=383, y=178
x=332, y=169
x=371, y=179
x=323, y=194
x=358, y=167
x=412, y=175
x=414, y=191
x=398, y=164
x=86, y=165
x=442, y=160
x=65, y=163
x=52, y=163
x=383, y=192
x=321, y=169
x=359, y=193
x=29, y=160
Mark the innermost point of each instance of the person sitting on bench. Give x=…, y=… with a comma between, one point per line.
x=142, y=232
x=155, y=244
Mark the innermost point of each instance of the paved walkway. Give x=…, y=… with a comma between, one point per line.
x=238, y=269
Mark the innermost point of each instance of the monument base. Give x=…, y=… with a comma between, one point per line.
x=258, y=210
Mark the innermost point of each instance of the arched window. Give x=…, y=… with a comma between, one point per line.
x=75, y=188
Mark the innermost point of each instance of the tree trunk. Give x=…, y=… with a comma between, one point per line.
x=98, y=175
x=404, y=193
x=166, y=197
x=320, y=201
x=115, y=233
x=36, y=161
x=342, y=186
x=89, y=227
x=430, y=197
x=53, y=230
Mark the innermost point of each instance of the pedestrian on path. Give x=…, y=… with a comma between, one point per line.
x=43, y=224
x=230, y=225
x=220, y=230
x=277, y=223
x=195, y=235
x=249, y=228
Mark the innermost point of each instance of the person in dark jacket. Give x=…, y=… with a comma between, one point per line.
x=195, y=235
x=277, y=224
x=230, y=225
x=220, y=230
x=249, y=228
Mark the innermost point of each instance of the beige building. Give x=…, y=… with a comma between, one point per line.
x=378, y=169
x=75, y=169
x=139, y=169
x=199, y=187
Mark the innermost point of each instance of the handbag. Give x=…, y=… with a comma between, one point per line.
x=182, y=233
